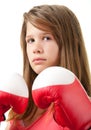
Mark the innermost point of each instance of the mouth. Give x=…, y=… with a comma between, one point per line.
x=38, y=60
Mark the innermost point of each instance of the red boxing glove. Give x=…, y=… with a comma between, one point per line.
x=72, y=106
x=13, y=94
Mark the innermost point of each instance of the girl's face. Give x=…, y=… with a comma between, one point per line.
x=42, y=49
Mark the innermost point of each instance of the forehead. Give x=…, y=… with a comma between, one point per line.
x=32, y=29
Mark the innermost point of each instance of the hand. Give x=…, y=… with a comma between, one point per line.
x=72, y=107
x=13, y=94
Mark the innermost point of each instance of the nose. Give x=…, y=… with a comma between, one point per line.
x=38, y=48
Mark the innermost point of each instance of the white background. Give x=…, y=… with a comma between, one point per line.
x=11, y=12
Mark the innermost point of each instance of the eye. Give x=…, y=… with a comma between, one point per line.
x=46, y=38
x=30, y=40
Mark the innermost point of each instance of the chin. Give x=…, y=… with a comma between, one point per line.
x=39, y=69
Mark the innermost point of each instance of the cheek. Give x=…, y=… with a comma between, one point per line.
x=53, y=55
x=28, y=51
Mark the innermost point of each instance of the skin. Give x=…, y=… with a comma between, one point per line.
x=42, y=49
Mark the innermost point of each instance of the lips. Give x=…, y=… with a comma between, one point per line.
x=38, y=60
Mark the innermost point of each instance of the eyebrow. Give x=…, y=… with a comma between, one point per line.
x=42, y=33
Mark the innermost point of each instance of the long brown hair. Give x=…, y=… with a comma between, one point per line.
x=62, y=23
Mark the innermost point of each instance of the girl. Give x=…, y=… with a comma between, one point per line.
x=50, y=36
